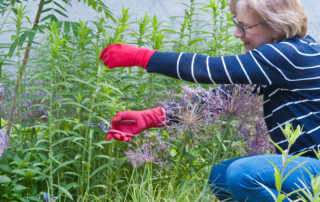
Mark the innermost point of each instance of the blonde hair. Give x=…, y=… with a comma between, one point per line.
x=286, y=17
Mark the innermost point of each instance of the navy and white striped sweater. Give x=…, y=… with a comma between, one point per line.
x=288, y=71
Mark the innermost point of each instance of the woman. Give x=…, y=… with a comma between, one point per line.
x=279, y=57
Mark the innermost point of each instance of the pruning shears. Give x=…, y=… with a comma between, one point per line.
x=105, y=125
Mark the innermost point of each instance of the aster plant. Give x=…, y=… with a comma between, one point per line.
x=4, y=142
x=5, y=96
x=32, y=105
x=152, y=148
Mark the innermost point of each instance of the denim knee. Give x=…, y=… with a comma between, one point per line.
x=244, y=176
x=218, y=182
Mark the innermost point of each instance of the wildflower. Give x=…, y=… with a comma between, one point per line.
x=257, y=139
x=2, y=91
x=193, y=112
x=5, y=97
x=46, y=197
x=4, y=142
x=150, y=149
x=33, y=105
x=237, y=102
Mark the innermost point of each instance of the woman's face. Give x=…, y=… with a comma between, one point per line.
x=255, y=36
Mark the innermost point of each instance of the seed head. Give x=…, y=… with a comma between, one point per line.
x=199, y=109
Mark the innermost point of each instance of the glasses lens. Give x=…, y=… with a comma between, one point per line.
x=241, y=28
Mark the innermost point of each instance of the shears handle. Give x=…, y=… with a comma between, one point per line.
x=125, y=122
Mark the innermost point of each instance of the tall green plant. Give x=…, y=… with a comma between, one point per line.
x=97, y=5
x=22, y=67
x=54, y=72
x=18, y=40
x=220, y=41
x=291, y=135
x=188, y=34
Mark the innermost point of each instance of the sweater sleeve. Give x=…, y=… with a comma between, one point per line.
x=270, y=64
x=196, y=68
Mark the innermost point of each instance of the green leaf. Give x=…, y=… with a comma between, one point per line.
x=63, y=165
x=281, y=197
x=60, y=6
x=19, y=172
x=74, y=174
x=4, y=179
x=51, y=17
x=295, y=156
x=82, y=81
x=33, y=198
x=61, y=13
x=46, y=10
x=100, y=186
x=112, y=87
x=270, y=192
x=64, y=191
x=195, y=41
x=101, y=156
x=20, y=187
x=277, y=176
x=99, y=169
x=66, y=139
x=67, y=26
x=5, y=168
x=293, y=169
x=78, y=125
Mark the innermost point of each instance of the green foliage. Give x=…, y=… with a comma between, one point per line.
x=23, y=173
x=305, y=192
x=65, y=86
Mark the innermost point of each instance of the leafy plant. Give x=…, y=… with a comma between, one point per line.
x=64, y=86
x=280, y=174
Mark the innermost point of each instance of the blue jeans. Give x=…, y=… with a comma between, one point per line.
x=237, y=179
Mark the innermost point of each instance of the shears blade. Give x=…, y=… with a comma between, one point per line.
x=106, y=125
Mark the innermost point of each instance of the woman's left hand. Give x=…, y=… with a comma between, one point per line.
x=124, y=55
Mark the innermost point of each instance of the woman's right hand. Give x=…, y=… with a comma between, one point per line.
x=152, y=118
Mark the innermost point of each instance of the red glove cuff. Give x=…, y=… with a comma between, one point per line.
x=143, y=56
x=156, y=117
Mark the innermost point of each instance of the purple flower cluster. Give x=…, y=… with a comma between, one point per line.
x=193, y=112
x=256, y=139
x=151, y=148
x=32, y=104
x=4, y=142
x=200, y=109
x=5, y=97
x=47, y=198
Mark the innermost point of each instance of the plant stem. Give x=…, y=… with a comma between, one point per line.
x=24, y=63
x=95, y=93
x=217, y=153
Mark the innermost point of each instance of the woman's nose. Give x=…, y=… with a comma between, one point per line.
x=237, y=33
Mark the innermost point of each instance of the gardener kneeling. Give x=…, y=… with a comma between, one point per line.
x=281, y=58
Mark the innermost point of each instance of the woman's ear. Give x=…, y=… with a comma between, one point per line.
x=278, y=36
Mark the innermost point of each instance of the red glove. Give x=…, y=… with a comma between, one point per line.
x=124, y=55
x=152, y=118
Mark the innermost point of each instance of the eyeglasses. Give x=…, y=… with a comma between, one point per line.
x=243, y=28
